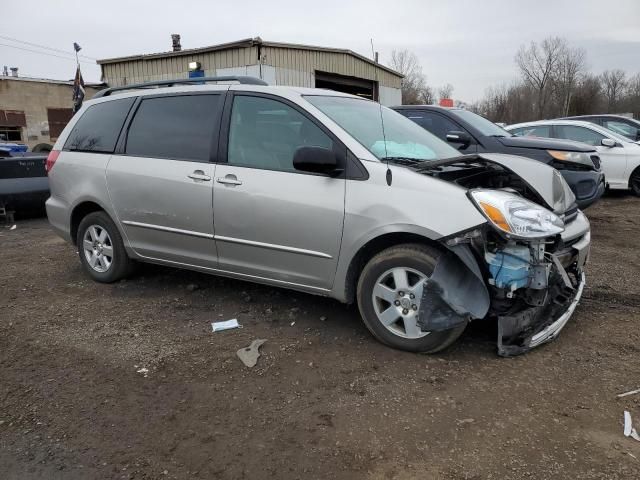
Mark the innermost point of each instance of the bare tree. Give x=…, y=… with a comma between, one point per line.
x=538, y=64
x=613, y=86
x=587, y=97
x=414, y=84
x=445, y=91
x=570, y=67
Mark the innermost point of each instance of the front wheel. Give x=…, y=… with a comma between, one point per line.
x=390, y=294
x=101, y=249
x=634, y=182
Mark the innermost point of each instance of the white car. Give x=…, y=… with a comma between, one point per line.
x=619, y=156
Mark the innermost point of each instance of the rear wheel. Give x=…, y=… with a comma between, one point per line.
x=390, y=294
x=634, y=182
x=101, y=249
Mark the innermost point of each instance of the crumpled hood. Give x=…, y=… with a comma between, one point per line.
x=545, y=180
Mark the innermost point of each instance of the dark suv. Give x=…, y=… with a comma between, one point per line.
x=578, y=163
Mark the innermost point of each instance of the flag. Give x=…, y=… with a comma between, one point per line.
x=76, y=47
x=78, y=91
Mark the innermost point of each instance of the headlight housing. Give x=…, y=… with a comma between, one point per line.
x=515, y=216
x=573, y=157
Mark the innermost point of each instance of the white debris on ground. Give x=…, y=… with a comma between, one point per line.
x=13, y=227
x=143, y=371
x=632, y=392
x=629, y=431
x=225, y=325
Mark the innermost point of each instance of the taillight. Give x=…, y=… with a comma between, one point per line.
x=51, y=159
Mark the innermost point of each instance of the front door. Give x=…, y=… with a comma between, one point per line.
x=161, y=184
x=272, y=221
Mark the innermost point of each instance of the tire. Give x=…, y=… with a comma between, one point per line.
x=418, y=262
x=107, y=261
x=634, y=182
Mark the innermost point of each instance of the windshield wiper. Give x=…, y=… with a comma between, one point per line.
x=408, y=161
x=436, y=164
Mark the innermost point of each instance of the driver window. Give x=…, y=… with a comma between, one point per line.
x=578, y=134
x=265, y=133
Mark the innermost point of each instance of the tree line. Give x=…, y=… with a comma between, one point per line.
x=554, y=81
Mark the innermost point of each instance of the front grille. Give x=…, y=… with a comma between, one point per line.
x=596, y=161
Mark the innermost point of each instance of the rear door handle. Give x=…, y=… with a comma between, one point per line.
x=199, y=175
x=229, y=180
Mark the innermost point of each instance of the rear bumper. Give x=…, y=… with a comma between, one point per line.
x=587, y=186
x=59, y=219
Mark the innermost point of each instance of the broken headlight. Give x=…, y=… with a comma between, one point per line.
x=516, y=216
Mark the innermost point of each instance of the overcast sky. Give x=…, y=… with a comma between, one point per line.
x=468, y=43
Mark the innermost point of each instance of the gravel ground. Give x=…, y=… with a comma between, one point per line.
x=325, y=399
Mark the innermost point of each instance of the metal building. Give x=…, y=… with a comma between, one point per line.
x=276, y=63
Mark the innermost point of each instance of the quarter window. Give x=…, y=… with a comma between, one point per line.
x=578, y=134
x=98, y=128
x=177, y=127
x=265, y=133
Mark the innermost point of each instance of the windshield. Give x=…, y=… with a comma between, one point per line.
x=362, y=120
x=484, y=126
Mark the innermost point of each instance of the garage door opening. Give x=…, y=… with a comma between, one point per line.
x=353, y=85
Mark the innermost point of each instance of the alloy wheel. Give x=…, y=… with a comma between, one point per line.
x=98, y=248
x=396, y=300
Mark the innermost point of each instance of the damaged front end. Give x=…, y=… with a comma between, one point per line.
x=524, y=267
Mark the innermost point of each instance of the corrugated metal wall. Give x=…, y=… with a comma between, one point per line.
x=296, y=67
x=170, y=67
x=293, y=67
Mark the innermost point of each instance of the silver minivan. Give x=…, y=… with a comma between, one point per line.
x=326, y=193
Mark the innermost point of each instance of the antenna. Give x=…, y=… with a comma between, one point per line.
x=384, y=136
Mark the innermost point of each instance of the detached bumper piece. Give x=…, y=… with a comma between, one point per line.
x=454, y=294
x=526, y=329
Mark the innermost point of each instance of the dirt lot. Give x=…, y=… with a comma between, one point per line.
x=324, y=401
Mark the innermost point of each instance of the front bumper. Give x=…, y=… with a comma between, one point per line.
x=587, y=186
x=521, y=331
x=525, y=326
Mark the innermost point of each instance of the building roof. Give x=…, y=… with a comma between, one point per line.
x=48, y=80
x=247, y=42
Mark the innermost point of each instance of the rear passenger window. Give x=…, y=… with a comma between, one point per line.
x=534, y=131
x=177, y=127
x=98, y=128
x=266, y=133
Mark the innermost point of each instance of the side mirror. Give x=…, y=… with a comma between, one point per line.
x=316, y=160
x=607, y=142
x=458, y=137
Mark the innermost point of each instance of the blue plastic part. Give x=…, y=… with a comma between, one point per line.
x=509, y=267
x=13, y=147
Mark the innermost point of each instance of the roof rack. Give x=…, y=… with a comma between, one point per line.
x=180, y=81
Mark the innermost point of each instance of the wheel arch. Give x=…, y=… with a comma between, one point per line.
x=635, y=171
x=371, y=248
x=81, y=210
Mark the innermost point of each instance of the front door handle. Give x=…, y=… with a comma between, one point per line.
x=199, y=175
x=229, y=180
